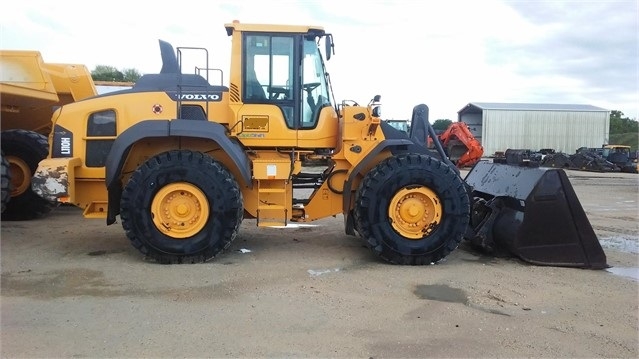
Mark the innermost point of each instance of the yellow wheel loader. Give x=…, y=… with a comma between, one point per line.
x=30, y=89
x=183, y=162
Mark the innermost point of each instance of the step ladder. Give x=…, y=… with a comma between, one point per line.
x=273, y=202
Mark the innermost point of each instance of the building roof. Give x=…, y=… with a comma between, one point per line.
x=530, y=107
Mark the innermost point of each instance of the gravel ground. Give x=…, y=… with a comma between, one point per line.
x=74, y=287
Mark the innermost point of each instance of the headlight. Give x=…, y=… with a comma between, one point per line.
x=377, y=111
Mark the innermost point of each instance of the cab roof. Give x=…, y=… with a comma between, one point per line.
x=303, y=29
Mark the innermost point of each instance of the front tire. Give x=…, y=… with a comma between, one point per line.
x=181, y=207
x=23, y=150
x=412, y=209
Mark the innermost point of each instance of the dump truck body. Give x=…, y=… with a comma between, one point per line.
x=30, y=90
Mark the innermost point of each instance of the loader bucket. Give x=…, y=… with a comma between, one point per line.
x=532, y=213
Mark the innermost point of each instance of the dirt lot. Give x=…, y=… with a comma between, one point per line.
x=74, y=287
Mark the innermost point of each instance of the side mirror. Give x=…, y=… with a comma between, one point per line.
x=329, y=46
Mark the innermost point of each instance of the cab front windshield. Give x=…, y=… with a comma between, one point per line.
x=315, y=89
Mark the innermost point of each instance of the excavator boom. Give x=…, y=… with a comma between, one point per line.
x=462, y=147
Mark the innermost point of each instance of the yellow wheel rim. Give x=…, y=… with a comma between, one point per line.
x=20, y=174
x=415, y=212
x=180, y=210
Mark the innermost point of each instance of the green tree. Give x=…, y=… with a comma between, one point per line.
x=131, y=75
x=623, y=130
x=442, y=124
x=621, y=124
x=106, y=73
x=110, y=73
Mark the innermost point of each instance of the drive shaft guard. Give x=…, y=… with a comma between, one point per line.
x=534, y=214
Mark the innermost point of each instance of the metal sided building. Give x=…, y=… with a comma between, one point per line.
x=562, y=127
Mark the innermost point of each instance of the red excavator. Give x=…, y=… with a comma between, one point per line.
x=463, y=149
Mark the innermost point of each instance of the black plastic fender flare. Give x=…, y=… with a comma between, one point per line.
x=165, y=128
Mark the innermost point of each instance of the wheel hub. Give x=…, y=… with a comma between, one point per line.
x=180, y=210
x=20, y=174
x=415, y=212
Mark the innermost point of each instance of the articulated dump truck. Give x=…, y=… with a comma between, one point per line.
x=30, y=90
x=183, y=163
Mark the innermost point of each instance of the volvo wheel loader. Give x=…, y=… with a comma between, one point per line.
x=30, y=89
x=183, y=162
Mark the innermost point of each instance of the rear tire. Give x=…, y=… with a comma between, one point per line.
x=6, y=182
x=412, y=209
x=181, y=207
x=23, y=150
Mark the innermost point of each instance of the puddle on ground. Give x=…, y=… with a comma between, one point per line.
x=628, y=244
x=628, y=272
x=442, y=293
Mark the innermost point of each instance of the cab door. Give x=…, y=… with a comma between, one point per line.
x=271, y=105
x=285, y=93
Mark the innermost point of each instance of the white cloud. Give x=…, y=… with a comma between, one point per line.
x=442, y=53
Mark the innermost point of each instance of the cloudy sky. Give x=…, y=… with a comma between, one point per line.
x=441, y=53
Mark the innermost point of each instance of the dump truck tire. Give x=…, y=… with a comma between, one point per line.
x=23, y=150
x=412, y=209
x=181, y=207
x=6, y=181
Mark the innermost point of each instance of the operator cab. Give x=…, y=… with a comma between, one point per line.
x=286, y=70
